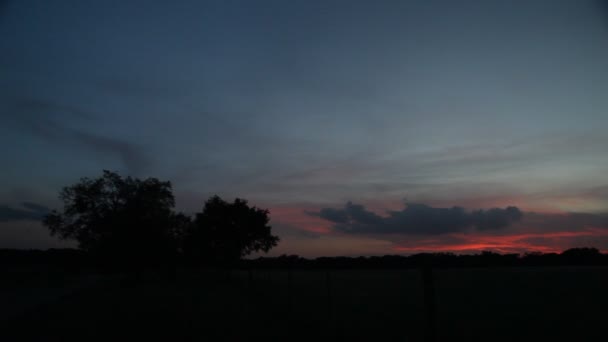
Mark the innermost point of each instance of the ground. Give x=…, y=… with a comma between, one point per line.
x=499, y=304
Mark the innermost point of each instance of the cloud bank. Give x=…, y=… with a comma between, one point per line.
x=418, y=219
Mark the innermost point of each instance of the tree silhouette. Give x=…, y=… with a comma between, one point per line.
x=124, y=221
x=225, y=232
x=581, y=255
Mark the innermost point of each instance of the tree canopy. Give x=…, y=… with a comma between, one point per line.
x=126, y=220
x=224, y=232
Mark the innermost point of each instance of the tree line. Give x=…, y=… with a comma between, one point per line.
x=580, y=256
x=68, y=258
x=129, y=222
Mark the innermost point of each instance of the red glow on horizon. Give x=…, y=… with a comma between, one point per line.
x=527, y=236
x=515, y=243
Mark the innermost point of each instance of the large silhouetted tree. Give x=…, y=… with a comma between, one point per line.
x=124, y=221
x=225, y=232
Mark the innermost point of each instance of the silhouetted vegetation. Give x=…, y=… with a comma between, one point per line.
x=225, y=232
x=119, y=221
x=64, y=257
x=131, y=223
x=572, y=257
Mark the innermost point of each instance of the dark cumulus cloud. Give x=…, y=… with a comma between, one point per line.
x=418, y=219
x=27, y=212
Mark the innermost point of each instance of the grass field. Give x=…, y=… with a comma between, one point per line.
x=501, y=304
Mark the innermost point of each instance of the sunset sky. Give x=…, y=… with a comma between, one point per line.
x=360, y=125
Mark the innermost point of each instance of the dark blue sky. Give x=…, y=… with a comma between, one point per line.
x=304, y=105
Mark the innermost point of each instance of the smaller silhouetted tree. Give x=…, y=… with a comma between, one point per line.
x=225, y=232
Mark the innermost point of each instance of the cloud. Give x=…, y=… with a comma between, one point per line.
x=418, y=219
x=563, y=222
x=334, y=215
x=48, y=120
x=130, y=154
x=495, y=218
x=545, y=232
x=28, y=212
x=35, y=207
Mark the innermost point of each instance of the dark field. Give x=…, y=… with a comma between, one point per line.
x=499, y=304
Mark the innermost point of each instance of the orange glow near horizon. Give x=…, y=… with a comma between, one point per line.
x=504, y=243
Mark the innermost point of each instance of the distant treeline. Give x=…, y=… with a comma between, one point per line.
x=574, y=256
x=73, y=258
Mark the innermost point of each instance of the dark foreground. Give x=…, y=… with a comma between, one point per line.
x=483, y=304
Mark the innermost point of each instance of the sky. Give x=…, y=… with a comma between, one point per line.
x=365, y=127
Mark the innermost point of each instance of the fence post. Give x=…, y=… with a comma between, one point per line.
x=329, y=299
x=330, y=312
x=289, y=291
x=250, y=288
x=429, y=303
x=289, y=301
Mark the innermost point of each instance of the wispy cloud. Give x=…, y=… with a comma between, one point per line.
x=27, y=212
x=54, y=122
